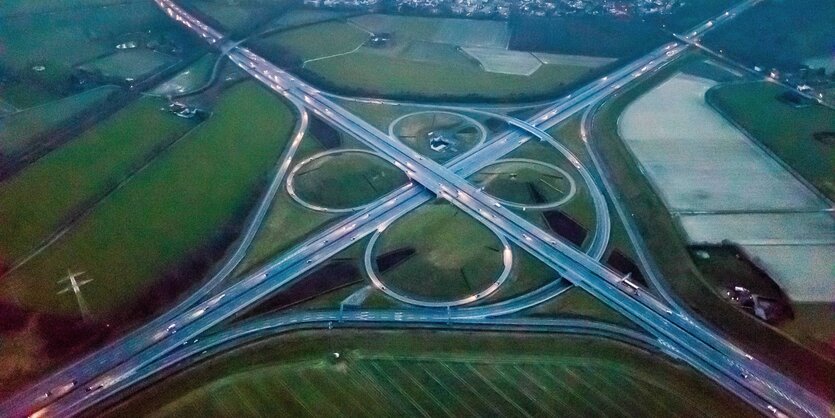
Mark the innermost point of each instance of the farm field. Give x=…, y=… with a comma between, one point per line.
x=18, y=130
x=183, y=206
x=703, y=165
x=18, y=95
x=785, y=130
x=700, y=161
x=59, y=41
x=669, y=247
x=24, y=7
x=129, y=65
x=420, y=60
x=62, y=185
x=400, y=375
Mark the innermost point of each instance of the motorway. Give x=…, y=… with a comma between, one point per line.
x=444, y=182
x=200, y=349
x=698, y=345
x=707, y=349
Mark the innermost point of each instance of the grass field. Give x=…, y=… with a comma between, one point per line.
x=402, y=373
x=318, y=40
x=346, y=180
x=236, y=18
x=18, y=130
x=176, y=210
x=421, y=62
x=304, y=16
x=129, y=65
x=785, y=130
x=464, y=32
x=23, y=7
x=24, y=95
x=62, y=184
x=668, y=249
x=578, y=303
x=418, y=130
x=527, y=274
x=193, y=77
x=287, y=222
x=580, y=208
x=381, y=76
x=59, y=41
x=523, y=183
x=455, y=256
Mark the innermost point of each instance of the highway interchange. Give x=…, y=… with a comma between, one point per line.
x=160, y=345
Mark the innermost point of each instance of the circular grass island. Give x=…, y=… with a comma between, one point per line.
x=526, y=183
x=438, y=256
x=343, y=180
x=438, y=135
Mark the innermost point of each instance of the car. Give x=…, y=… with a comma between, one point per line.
x=94, y=387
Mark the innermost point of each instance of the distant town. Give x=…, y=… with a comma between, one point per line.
x=508, y=8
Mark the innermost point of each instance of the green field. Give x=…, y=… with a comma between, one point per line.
x=181, y=207
x=580, y=208
x=670, y=253
x=455, y=255
x=783, y=129
x=523, y=183
x=415, y=66
x=23, y=7
x=18, y=130
x=577, y=303
x=410, y=373
x=418, y=130
x=192, y=78
x=378, y=115
x=61, y=40
x=62, y=184
x=287, y=223
x=23, y=95
x=318, y=40
x=133, y=64
x=346, y=180
x=236, y=18
x=527, y=275
x=381, y=76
